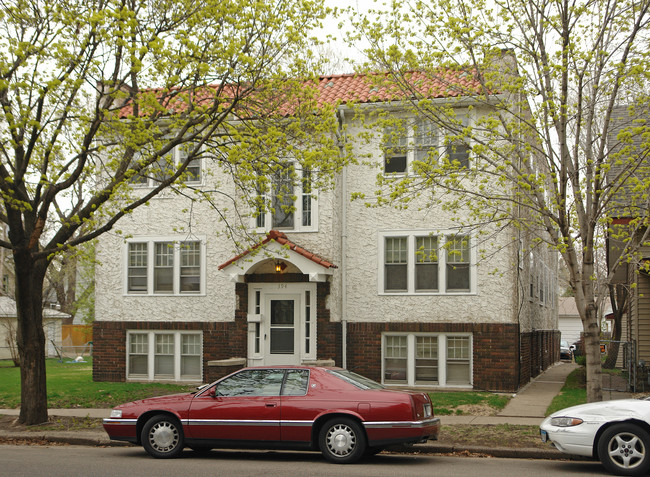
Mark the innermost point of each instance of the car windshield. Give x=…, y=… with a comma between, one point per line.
x=564, y=344
x=356, y=379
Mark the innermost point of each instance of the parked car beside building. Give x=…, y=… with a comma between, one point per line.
x=341, y=413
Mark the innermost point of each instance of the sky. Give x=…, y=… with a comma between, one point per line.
x=331, y=28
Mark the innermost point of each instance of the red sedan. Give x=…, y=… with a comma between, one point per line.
x=343, y=414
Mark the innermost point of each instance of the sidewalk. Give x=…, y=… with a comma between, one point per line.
x=527, y=408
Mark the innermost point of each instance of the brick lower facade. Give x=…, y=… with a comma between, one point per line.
x=503, y=358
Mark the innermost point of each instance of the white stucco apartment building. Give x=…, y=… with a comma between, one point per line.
x=334, y=282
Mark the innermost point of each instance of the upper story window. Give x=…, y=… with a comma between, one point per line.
x=290, y=204
x=421, y=263
x=396, y=148
x=166, y=166
x=165, y=267
x=457, y=149
x=406, y=141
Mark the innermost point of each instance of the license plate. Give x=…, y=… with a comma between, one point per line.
x=544, y=435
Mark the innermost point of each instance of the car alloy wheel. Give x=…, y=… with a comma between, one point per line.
x=342, y=441
x=624, y=449
x=162, y=437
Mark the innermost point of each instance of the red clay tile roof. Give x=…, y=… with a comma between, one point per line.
x=348, y=88
x=282, y=239
x=375, y=88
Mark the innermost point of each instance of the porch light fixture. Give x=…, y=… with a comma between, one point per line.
x=280, y=266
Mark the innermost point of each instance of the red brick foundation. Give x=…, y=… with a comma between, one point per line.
x=501, y=357
x=221, y=340
x=109, y=343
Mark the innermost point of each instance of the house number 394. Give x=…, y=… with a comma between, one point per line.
x=282, y=285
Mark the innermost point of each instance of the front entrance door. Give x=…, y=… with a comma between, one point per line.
x=282, y=330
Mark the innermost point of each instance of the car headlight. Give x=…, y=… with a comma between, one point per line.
x=116, y=414
x=565, y=421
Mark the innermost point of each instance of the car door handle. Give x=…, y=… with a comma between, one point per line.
x=271, y=404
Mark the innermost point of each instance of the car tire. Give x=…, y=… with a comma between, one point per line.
x=162, y=437
x=342, y=441
x=624, y=449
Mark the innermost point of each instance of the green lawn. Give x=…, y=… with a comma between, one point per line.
x=70, y=385
x=447, y=403
x=573, y=392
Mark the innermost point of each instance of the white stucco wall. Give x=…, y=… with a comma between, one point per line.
x=495, y=299
x=173, y=217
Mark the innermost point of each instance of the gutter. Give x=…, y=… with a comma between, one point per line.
x=344, y=241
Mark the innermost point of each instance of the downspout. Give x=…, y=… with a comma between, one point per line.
x=344, y=242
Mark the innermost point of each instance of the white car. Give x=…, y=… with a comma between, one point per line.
x=615, y=432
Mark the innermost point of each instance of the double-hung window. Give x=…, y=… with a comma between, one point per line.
x=425, y=138
x=396, y=148
x=422, y=263
x=406, y=141
x=396, y=260
x=290, y=202
x=457, y=147
x=163, y=355
x=426, y=263
x=458, y=262
x=165, y=267
x=420, y=140
x=167, y=165
x=421, y=359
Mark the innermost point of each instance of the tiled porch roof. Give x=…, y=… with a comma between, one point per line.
x=281, y=239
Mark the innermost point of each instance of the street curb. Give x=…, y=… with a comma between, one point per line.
x=95, y=439
x=505, y=452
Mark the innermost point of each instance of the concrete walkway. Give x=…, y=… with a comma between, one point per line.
x=534, y=398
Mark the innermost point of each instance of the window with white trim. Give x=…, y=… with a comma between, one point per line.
x=421, y=263
x=162, y=355
x=457, y=149
x=420, y=359
x=458, y=263
x=290, y=204
x=167, y=165
x=406, y=141
x=165, y=267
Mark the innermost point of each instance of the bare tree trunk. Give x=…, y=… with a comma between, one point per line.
x=592, y=352
x=31, y=337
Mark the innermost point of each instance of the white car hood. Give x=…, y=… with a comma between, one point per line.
x=608, y=410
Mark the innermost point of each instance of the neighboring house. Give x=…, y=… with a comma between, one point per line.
x=630, y=204
x=332, y=282
x=570, y=323
x=8, y=321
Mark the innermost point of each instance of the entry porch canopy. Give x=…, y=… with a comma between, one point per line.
x=276, y=247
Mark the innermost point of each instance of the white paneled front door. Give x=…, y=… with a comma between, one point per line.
x=282, y=323
x=282, y=329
